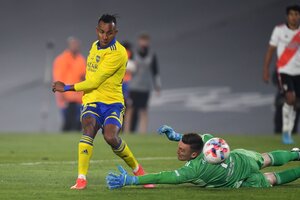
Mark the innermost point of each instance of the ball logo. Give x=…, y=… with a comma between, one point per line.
x=216, y=150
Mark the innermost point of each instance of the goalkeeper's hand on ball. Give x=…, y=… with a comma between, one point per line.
x=170, y=133
x=115, y=181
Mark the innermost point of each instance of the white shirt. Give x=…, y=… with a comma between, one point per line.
x=280, y=38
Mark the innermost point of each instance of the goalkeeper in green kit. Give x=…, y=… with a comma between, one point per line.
x=240, y=169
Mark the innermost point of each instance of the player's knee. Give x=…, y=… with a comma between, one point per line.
x=267, y=160
x=271, y=178
x=290, y=98
x=111, y=135
x=89, y=126
x=111, y=139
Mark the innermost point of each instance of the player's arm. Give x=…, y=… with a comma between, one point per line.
x=267, y=62
x=107, y=68
x=183, y=175
x=155, y=74
x=174, y=136
x=269, y=54
x=169, y=132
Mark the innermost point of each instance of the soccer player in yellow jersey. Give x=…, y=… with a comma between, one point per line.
x=103, y=101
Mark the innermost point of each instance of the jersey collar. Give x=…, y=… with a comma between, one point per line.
x=110, y=44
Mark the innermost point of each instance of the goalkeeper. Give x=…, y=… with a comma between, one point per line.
x=240, y=169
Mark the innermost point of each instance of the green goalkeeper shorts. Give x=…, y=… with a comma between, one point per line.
x=255, y=158
x=256, y=179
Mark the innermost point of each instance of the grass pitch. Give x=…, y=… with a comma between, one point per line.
x=44, y=166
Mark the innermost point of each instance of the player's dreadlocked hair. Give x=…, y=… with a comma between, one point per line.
x=293, y=7
x=194, y=140
x=107, y=18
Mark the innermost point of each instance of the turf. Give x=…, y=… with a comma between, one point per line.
x=43, y=166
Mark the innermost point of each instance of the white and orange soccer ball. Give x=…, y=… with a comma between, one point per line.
x=216, y=150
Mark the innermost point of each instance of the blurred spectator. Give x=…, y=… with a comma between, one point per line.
x=69, y=67
x=130, y=69
x=279, y=101
x=145, y=75
x=285, y=40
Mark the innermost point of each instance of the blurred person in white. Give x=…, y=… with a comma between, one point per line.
x=69, y=67
x=286, y=40
x=144, y=79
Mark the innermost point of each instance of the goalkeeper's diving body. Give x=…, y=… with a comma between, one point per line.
x=103, y=101
x=240, y=169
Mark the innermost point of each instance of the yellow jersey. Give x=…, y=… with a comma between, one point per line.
x=104, y=74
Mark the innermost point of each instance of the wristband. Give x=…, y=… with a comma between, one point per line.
x=67, y=88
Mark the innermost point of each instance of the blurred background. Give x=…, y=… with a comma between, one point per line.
x=210, y=56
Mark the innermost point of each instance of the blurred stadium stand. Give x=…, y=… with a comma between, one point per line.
x=203, y=47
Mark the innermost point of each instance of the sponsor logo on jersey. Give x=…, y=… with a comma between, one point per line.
x=97, y=58
x=92, y=66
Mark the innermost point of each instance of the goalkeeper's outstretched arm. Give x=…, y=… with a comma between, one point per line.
x=183, y=175
x=174, y=136
x=170, y=133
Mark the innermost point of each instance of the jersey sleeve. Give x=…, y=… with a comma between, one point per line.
x=274, y=37
x=105, y=70
x=182, y=175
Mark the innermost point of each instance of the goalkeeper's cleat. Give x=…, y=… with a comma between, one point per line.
x=287, y=138
x=295, y=149
x=141, y=172
x=80, y=184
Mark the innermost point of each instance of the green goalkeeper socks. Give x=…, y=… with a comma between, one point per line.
x=287, y=176
x=281, y=157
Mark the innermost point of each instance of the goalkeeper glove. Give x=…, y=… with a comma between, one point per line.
x=170, y=133
x=115, y=181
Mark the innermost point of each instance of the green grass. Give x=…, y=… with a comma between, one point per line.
x=43, y=166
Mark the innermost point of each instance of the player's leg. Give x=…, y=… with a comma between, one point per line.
x=288, y=110
x=283, y=177
x=90, y=125
x=296, y=80
x=279, y=100
x=279, y=157
x=112, y=126
x=143, y=120
x=143, y=111
x=133, y=111
x=128, y=112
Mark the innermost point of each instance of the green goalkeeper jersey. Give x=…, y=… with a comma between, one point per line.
x=231, y=173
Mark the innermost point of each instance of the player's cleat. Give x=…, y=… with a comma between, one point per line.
x=80, y=184
x=141, y=172
x=296, y=149
x=287, y=138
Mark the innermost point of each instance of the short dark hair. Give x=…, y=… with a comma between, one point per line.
x=292, y=7
x=107, y=18
x=194, y=140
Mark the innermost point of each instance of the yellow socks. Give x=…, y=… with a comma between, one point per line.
x=85, y=152
x=125, y=153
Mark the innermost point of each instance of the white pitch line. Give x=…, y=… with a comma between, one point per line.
x=75, y=162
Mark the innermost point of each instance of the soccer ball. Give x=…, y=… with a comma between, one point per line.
x=216, y=150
